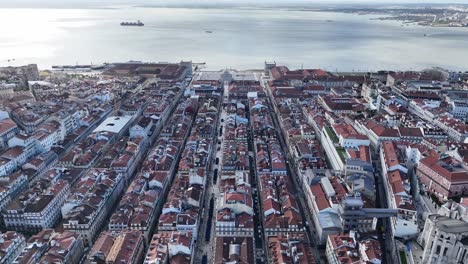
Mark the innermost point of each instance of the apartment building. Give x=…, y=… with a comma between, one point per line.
x=11, y=245
x=90, y=201
x=37, y=208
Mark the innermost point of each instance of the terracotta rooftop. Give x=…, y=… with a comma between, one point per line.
x=453, y=172
x=320, y=197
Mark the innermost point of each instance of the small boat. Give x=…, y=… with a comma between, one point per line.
x=135, y=24
x=208, y=31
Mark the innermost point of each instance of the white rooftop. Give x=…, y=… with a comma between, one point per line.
x=41, y=83
x=329, y=218
x=405, y=228
x=113, y=124
x=252, y=94
x=327, y=187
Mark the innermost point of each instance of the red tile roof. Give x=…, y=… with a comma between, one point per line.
x=7, y=125
x=440, y=167
x=362, y=153
x=320, y=198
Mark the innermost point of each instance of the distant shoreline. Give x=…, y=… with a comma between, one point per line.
x=405, y=15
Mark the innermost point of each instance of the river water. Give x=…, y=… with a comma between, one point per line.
x=240, y=38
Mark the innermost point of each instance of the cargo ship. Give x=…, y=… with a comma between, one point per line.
x=135, y=24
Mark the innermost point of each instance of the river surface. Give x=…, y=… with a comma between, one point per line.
x=240, y=39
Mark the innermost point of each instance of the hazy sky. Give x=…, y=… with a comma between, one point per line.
x=204, y=2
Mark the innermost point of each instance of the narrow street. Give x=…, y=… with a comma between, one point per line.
x=205, y=245
x=383, y=224
x=303, y=208
x=259, y=231
x=291, y=169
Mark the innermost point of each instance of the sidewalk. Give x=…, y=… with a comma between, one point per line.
x=417, y=251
